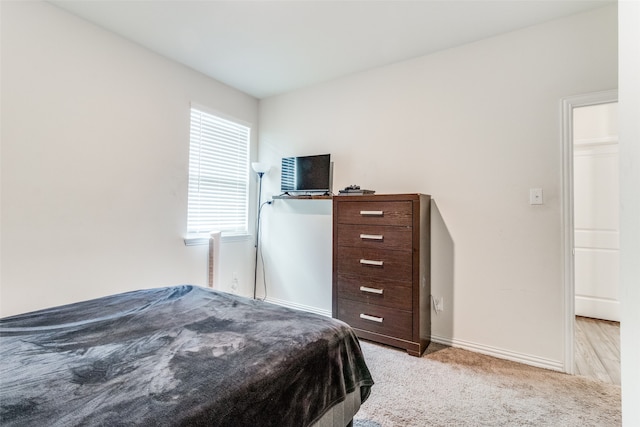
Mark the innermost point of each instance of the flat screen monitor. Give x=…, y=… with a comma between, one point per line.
x=307, y=174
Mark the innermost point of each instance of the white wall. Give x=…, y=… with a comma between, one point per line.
x=95, y=163
x=476, y=127
x=629, y=128
x=297, y=254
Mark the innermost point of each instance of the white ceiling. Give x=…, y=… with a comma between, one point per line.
x=269, y=47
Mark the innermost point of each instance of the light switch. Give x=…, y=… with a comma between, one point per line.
x=535, y=196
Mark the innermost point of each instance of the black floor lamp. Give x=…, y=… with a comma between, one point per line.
x=260, y=168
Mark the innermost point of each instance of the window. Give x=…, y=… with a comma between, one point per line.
x=218, y=175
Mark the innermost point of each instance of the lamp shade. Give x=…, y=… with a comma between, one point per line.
x=260, y=167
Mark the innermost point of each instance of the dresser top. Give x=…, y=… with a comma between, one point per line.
x=380, y=197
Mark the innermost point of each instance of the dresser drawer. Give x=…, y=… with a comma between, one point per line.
x=385, y=293
x=363, y=262
x=376, y=213
x=375, y=236
x=381, y=320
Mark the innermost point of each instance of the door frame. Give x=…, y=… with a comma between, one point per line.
x=567, y=209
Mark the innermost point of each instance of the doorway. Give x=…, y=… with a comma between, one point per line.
x=590, y=214
x=596, y=212
x=596, y=202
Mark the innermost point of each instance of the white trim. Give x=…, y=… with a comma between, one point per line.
x=596, y=150
x=297, y=306
x=603, y=140
x=600, y=308
x=566, y=209
x=527, y=359
x=203, y=239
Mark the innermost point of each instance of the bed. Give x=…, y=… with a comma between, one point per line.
x=178, y=356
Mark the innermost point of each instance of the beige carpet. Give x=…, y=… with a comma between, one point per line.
x=454, y=387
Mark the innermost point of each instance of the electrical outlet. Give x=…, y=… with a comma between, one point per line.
x=438, y=304
x=234, y=281
x=535, y=196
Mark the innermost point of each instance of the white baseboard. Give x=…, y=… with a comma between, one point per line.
x=527, y=359
x=598, y=308
x=297, y=306
x=540, y=362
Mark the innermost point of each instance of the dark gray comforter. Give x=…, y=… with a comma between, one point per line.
x=181, y=355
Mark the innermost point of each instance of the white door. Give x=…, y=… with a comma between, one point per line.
x=596, y=208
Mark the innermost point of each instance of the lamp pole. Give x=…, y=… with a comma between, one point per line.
x=255, y=270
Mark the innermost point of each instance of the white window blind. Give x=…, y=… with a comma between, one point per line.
x=218, y=175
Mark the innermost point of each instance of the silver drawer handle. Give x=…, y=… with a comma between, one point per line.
x=372, y=318
x=371, y=236
x=371, y=262
x=376, y=213
x=371, y=290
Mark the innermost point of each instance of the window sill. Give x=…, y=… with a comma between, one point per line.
x=203, y=239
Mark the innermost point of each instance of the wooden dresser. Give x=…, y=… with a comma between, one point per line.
x=381, y=268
